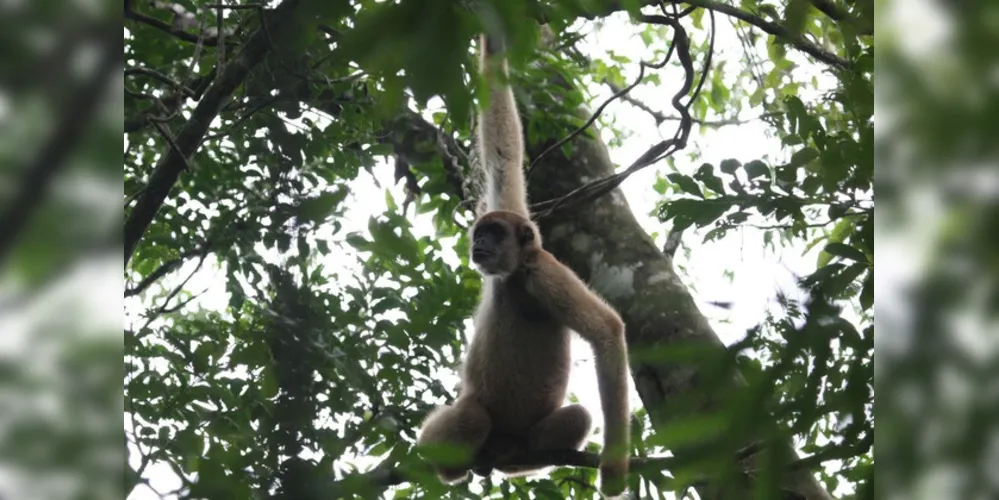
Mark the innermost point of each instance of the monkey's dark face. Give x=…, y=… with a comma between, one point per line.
x=499, y=240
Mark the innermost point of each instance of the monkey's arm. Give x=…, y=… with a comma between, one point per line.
x=572, y=303
x=501, y=143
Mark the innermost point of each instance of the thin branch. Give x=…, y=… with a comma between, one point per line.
x=834, y=12
x=663, y=149
x=245, y=6
x=156, y=75
x=163, y=270
x=264, y=103
x=658, y=116
x=165, y=307
x=771, y=28
x=385, y=475
x=642, y=65
x=661, y=117
x=167, y=28
x=179, y=306
x=585, y=125
x=161, y=128
x=54, y=154
x=672, y=242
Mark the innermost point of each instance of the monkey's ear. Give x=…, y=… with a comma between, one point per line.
x=525, y=234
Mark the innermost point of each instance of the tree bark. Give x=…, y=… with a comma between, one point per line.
x=603, y=243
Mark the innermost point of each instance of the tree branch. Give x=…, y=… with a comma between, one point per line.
x=384, y=475
x=838, y=14
x=188, y=140
x=164, y=269
x=167, y=28
x=156, y=75
x=768, y=27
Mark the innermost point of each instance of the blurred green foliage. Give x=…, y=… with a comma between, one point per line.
x=937, y=185
x=330, y=345
x=60, y=108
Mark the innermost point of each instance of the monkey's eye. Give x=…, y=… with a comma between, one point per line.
x=490, y=230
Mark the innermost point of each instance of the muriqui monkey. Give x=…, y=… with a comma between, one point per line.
x=516, y=373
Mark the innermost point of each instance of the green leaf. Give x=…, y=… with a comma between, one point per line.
x=660, y=185
x=686, y=431
x=837, y=285
x=730, y=165
x=317, y=209
x=756, y=168
x=686, y=184
x=792, y=140
x=698, y=212
x=803, y=157
x=706, y=175
x=867, y=292
x=845, y=251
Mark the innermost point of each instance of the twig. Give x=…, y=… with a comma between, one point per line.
x=181, y=304
x=642, y=65
x=672, y=242
x=834, y=12
x=593, y=118
x=167, y=28
x=53, y=155
x=244, y=6
x=657, y=115
x=163, y=270
x=599, y=187
x=156, y=75
x=264, y=103
x=173, y=144
x=773, y=29
x=164, y=307
x=385, y=475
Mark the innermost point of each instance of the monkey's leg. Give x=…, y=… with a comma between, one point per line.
x=465, y=424
x=565, y=429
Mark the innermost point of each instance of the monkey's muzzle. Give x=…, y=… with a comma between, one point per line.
x=480, y=254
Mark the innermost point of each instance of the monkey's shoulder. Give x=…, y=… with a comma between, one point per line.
x=514, y=296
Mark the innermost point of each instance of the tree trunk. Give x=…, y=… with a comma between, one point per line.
x=602, y=241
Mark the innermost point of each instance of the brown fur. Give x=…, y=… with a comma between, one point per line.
x=500, y=138
x=516, y=373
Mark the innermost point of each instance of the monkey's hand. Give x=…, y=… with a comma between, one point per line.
x=613, y=472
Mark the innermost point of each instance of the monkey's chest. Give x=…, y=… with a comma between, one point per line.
x=522, y=378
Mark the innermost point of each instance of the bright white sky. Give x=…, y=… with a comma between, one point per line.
x=756, y=274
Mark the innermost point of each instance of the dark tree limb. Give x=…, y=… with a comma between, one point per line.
x=839, y=14
x=164, y=269
x=166, y=27
x=774, y=29
x=54, y=154
x=387, y=474
x=188, y=139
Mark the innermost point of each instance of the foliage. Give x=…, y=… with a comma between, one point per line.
x=334, y=341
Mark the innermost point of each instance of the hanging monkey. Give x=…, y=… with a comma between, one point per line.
x=516, y=372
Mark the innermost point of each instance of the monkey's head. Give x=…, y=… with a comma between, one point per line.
x=501, y=241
